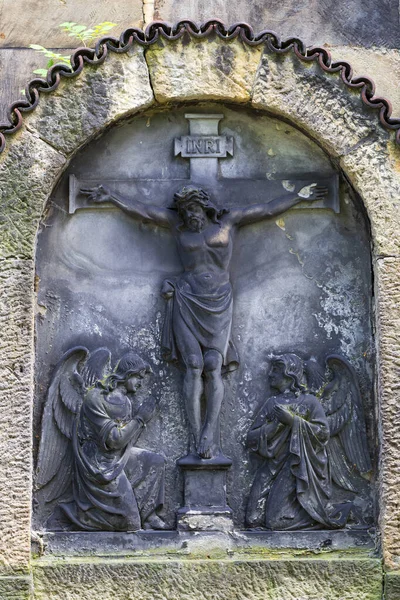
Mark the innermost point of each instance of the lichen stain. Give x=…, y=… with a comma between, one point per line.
x=394, y=153
x=224, y=59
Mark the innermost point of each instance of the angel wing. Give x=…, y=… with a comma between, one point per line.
x=75, y=372
x=347, y=447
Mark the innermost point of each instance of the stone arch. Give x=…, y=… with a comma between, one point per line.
x=167, y=73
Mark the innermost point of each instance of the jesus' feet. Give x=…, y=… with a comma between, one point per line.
x=205, y=448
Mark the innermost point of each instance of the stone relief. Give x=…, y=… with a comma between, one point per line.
x=306, y=464
x=89, y=431
x=198, y=324
x=307, y=441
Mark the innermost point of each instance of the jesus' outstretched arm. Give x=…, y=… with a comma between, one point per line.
x=134, y=208
x=258, y=212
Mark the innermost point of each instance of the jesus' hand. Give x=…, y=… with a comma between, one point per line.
x=313, y=192
x=97, y=194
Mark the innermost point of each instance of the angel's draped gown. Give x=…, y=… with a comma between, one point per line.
x=293, y=484
x=114, y=489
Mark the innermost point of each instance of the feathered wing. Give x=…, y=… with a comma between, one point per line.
x=347, y=447
x=63, y=402
x=315, y=376
x=96, y=367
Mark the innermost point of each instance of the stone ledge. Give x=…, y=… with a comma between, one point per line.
x=186, y=544
x=346, y=577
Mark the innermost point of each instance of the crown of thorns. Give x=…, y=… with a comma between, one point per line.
x=190, y=194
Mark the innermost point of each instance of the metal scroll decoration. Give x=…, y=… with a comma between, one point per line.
x=162, y=30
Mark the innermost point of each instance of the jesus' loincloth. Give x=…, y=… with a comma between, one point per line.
x=207, y=316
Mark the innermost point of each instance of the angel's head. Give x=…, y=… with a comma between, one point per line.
x=129, y=371
x=287, y=373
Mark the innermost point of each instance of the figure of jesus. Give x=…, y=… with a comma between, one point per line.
x=198, y=324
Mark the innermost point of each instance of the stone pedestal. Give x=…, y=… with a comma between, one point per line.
x=205, y=507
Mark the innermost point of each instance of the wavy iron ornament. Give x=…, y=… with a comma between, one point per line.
x=162, y=30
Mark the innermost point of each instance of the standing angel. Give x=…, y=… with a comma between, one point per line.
x=304, y=443
x=198, y=323
x=87, y=450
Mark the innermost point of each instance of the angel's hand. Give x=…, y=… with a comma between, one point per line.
x=283, y=415
x=313, y=192
x=147, y=409
x=97, y=194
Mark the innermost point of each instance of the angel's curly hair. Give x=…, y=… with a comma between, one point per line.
x=128, y=365
x=191, y=193
x=293, y=368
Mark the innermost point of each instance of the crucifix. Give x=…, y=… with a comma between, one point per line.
x=199, y=303
x=204, y=147
x=198, y=323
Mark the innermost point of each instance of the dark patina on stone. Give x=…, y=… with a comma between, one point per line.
x=254, y=319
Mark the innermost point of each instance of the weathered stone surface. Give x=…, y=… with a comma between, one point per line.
x=358, y=22
x=25, y=23
x=345, y=22
x=388, y=335
x=374, y=170
x=315, y=101
x=28, y=170
x=16, y=393
x=312, y=579
x=392, y=586
x=15, y=588
x=212, y=70
x=100, y=275
x=382, y=65
x=83, y=106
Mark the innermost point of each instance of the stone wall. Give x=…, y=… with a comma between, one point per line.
x=364, y=33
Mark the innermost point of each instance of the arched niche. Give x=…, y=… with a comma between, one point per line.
x=80, y=110
x=302, y=281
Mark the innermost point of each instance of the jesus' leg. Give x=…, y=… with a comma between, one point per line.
x=192, y=357
x=214, y=394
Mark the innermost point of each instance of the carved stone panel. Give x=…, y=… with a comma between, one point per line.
x=204, y=341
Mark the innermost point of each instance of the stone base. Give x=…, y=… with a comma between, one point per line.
x=216, y=518
x=188, y=565
x=339, y=577
x=205, y=507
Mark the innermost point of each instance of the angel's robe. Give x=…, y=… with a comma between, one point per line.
x=292, y=487
x=114, y=489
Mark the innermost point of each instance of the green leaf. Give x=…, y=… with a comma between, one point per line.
x=37, y=47
x=79, y=28
x=67, y=24
x=41, y=72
